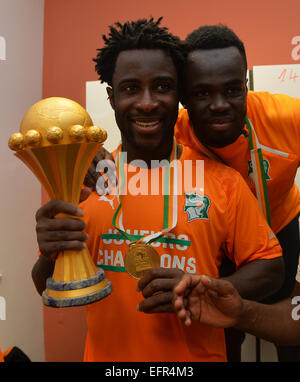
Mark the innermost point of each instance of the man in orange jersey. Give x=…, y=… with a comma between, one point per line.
x=217, y=103
x=187, y=231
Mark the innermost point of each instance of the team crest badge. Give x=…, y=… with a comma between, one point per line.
x=196, y=206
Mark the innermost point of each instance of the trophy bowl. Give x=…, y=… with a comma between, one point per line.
x=57, y=141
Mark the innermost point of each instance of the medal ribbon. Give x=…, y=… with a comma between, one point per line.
x=257, y=166
x=259, y=172
x=170, y=198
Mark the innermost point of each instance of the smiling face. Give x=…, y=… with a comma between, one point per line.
x=144, y=97
x=216, y=94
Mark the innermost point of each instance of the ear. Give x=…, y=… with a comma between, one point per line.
x=247, y=85
x=110, y=94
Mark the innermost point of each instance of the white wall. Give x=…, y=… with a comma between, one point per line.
x=280, y=79
x=21, y=29
x=102, y=114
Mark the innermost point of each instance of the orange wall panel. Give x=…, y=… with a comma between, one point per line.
x=73, y=30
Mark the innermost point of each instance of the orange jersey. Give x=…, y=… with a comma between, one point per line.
x=225, y=219
x=4, y=354
x=276, y=120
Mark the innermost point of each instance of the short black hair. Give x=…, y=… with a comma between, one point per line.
x=140, y=34
x=214, y=37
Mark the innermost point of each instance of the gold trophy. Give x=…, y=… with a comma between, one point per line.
x=57, y=141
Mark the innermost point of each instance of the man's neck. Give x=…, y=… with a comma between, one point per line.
x=148, y=156
x=217, y=145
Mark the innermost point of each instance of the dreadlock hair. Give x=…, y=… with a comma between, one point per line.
x=214, y=37
x=140, y=34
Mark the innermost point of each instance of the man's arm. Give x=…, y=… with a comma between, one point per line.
x=252, y=246
x=216, y=302
x=259, y=278
x=278, y=323
x=42, y=269
x=55, y=234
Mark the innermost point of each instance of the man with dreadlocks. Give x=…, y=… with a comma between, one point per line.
x=186, y=231
x=227, y=123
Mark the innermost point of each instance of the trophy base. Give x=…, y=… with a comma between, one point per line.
x=62, y=294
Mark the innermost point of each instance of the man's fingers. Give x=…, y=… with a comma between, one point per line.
x=54, y=207
x=91, y=177
x=107, y=176
x=157, y=285
x=158, y=273
x=181, y=312
x=85, y=193
x=221, y=287
x=58, y=246
x=187, y=321
x=158, y=303
x=188, y=281
x=104, y=154
x=183, y=284
x=60, y=224
x=63, y=236
x=178, y=303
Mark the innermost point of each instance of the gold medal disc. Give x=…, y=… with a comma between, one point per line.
x=139, y=259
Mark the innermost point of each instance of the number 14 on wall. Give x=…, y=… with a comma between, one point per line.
x=288, y=74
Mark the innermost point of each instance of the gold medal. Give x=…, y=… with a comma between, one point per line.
x=139, y=259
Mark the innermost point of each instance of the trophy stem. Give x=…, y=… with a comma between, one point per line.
x=73, y=265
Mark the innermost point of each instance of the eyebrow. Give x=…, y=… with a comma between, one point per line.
x=235, y=82
x=128, y=80
x=228, y=83
x=159, y=78
x=165, y=78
